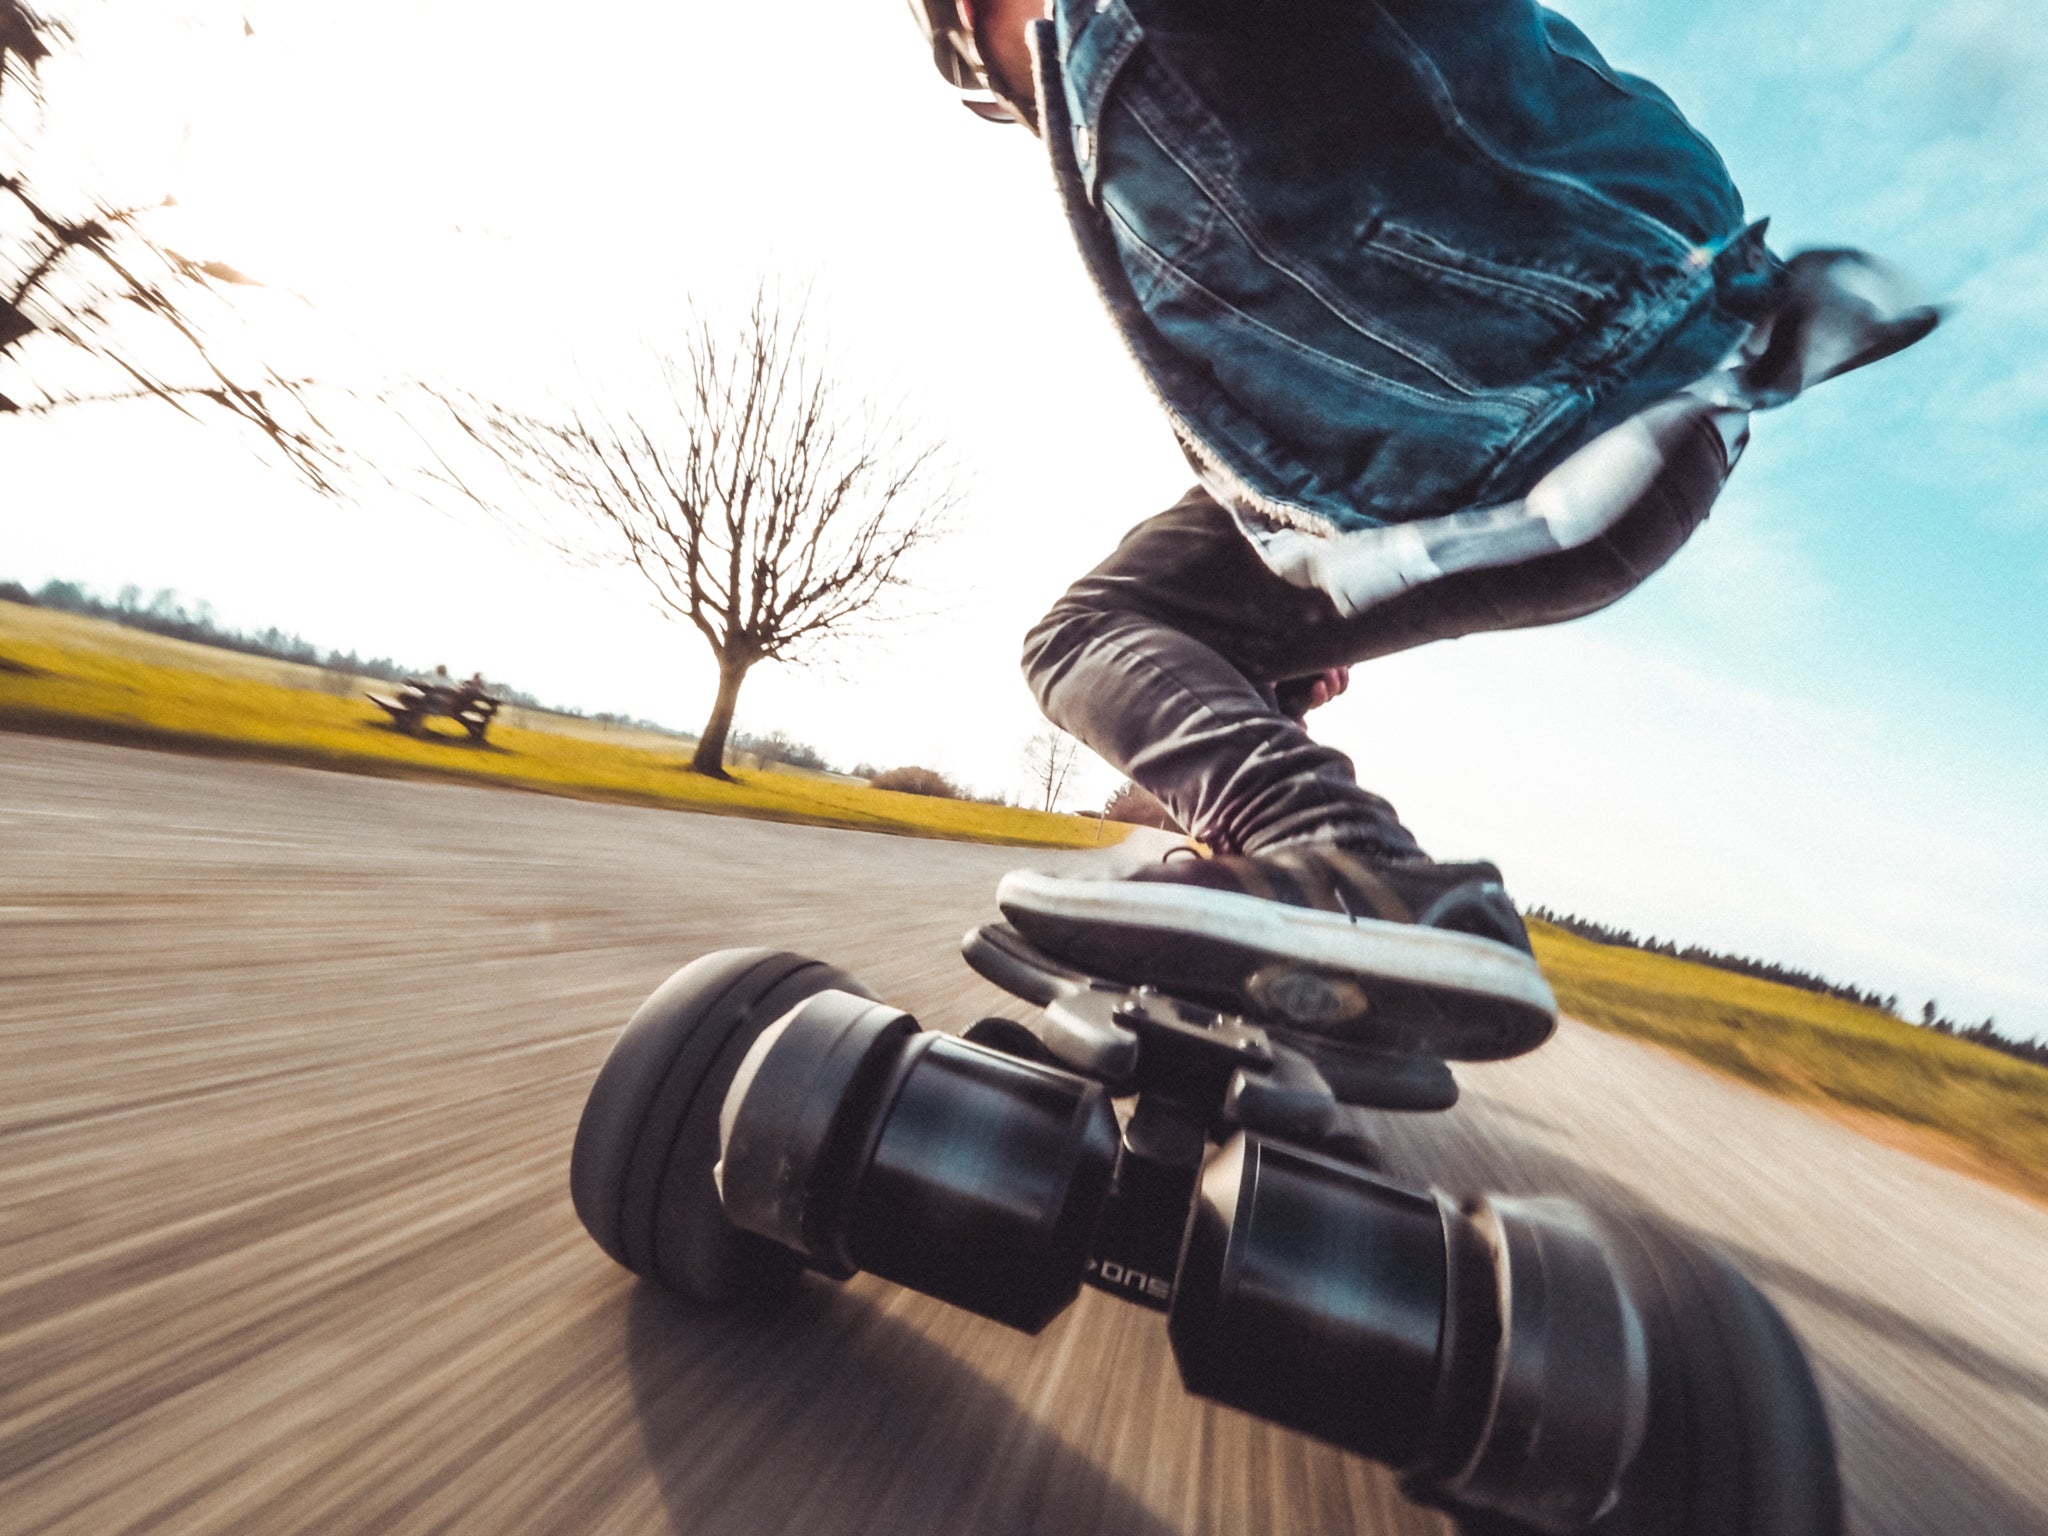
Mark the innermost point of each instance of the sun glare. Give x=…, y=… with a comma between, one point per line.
x=280, y=144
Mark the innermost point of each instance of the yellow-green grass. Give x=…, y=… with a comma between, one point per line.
x=67, y=675
x=1991, y=1110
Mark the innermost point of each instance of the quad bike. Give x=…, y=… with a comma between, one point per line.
x=1526, y=1365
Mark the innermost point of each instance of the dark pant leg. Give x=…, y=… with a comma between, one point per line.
x=1163, y=657
x=1162, y=660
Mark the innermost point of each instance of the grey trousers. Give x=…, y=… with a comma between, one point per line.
x=1165, y=658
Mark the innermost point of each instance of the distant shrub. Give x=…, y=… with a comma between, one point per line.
x=1140, y=807
x=917, y=781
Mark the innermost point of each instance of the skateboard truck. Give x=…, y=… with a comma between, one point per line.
x=762, y=1114
x=1297, y=1286
x=1095, y=1028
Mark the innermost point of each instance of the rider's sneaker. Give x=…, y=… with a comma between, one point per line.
x=1399, y=954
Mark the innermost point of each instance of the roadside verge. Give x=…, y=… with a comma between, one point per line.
x=1944, y=1099
x=67, y=676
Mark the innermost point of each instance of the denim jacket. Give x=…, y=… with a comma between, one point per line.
x=1384, y=260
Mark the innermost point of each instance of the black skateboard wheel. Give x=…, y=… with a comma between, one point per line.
x=1736, y=1441
x=640, y=1173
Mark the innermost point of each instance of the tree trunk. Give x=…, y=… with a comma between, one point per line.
x=710, y=758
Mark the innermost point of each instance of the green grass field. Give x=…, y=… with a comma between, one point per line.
x=1991, y=1109
x=66, y=675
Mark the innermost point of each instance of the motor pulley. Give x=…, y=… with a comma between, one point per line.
x=865, y=1144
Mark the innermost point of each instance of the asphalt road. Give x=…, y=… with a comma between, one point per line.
x=289, y=1066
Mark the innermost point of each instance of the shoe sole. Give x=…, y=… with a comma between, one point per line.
x=1387, y=986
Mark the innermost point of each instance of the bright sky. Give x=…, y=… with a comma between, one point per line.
x=1820, y=737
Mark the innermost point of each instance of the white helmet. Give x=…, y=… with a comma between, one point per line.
x=958, y=59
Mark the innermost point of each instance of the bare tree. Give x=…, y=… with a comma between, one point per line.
x=93, y=309
x=1049, y=759
x=757, y=497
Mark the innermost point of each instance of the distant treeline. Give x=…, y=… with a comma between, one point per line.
x=777, y=747
x=1985, y=1034
x=1742, y=965
x=165, y=614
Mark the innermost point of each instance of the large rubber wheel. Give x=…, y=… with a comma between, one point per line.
x=1737, y=1441
x=640, y=1174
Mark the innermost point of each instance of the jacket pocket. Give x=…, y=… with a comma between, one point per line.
x=1096, y=38
x=1483, y=279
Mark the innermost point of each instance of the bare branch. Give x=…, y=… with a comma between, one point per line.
x=98, y=284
